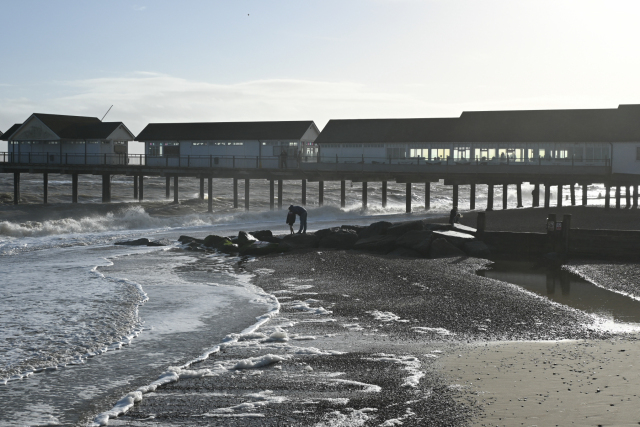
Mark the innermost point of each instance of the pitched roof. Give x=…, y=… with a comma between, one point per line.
x=10, y=131
x=218, y=131
x=72, y=127
x=620, y=124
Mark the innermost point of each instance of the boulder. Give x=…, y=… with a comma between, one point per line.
x=187, y=239
x=229, y=248
x=436, y=226
x=301, y=241
x=325, y=232
x=423, y=248
x=477, y=249
x=405, y=253
x=341, y=239
x=156, y=243
x=260, y=248
x=245, y=238
x=374, y=229
x=414, y=238
x=213, y=241
x=137, y=242
x=356, y=228
x=400, y=228
x=441, y=248
x=263, y=235
x=454, y=237
x=378, y=243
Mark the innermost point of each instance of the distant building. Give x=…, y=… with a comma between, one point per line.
x=239, y=144
x=52, y=138
x=548, y=137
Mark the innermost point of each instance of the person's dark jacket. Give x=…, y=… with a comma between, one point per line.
x=299, y=210
x=291, y=218
x=452, y=215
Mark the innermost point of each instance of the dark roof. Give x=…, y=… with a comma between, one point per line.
x=73, y=127
x=620, y=124
x=10, y=131
x=219, y=131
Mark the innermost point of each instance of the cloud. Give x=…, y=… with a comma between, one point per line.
x=146, y=97
x=139, y=8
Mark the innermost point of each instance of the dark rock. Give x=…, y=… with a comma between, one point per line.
x=375, y=229
x=405, y=253
x=245, y=238
x=229, y=248
x=213, y=241
x=155, y=243
x=301, y=241
x=257, y=248
x=263, y=235
x=477, y=249
x=186, y=239
x=137, y=242
x=436, y=226
x=193, y=246
x=342, y=239
x=400, y=228
x=423, y=248
x=326, y=232
x=414, y=238
x=455, y=238
x=441, y=248
x=379, y=243
x=272, y=239
x=356, y=228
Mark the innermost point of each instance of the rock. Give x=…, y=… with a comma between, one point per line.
x=341, y=239
x=423, y=248
x=186, y=239
x=400, y=228
x=436, y=226
x=245, y=238
x=374, y=229
x=477, y=249
x=455, y=238
x=260, y=248
x=356, y=228
x=229, y=248
x=405, y=253
x=326, y=232
x=414, y=238
x=137, y=242
x=441, y=248
x=301, y=241
x=263, y=235
x=464, y=229
x=155, y=243
x=213, y=241
x=379, y=243
x=193, y=246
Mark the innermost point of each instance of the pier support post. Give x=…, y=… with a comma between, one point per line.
x=427, y=196
x=364, y=194
x=472, y=196
x=45, y=184
x=280, y=184
x=635, y=196
x=304, y=192
x=559, y=204
x=547, y=195
x=201, y=188
x=455, y=194
x=210, y=195
x=519, y=194
x=584, y=195
x=505, y=195
x=489, y=197
x=272, y=194
x=176, y=191
x=16, y=188
x=135, y=187
x=106, y=188
x=607, y=196
x=572, y=192
x=140, y=187
x=618, y=196
x=247, y=184
x=384, y=194
x=168, y=188
x=408, y=195
x=628, y=196
x=74, y=188
x=343, y=190
x=481, y=222
x=536, y=196
x=235, y=193
x=320, y=193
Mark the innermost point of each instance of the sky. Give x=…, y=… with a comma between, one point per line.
x=244, y=60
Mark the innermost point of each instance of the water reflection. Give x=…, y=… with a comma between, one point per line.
x=568, y=289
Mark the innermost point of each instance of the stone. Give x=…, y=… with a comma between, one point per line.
x=245, y=238
x=455, y=238
x=187, y=239
x=477, y=249
x=260, y=248
x=414, y=238
x=342, y=239
x=356, y=228
x=436, y=226
x=263, y=235
x=137, y=242
x=378, y=243
x=374, y=229
x=213, y=241
x=156, y=243
x=423, y=248
x=400, y=228
x=301, y=241
x=405, y=253
x=441, y=248
x=326, y=232
x=229, y=248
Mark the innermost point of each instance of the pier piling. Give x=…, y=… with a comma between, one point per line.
x=343, y=191
x=271, y=194
x=74, y=188
x=280, y=184
x=472, y=196
x=617, y=196
x=505, y=195
x=408, y=195
x=140, y=187
x=304, y=192
x=584, y=195
x=427, y=196
x=628, y=196
x=455, y=194
x=572, y=192
x=519, y=194
x=135, y=187
x=210, y=195
x=176, y=192
x=106, y=188
x=16, y=188
x=247, y=184
x=364, y=195
x=320, y=193
x=384, y=194
x=536, y=196
x=559, y=204
x=547, y=195
x=607, y=196
x=635, y=196
x=45, y=184
x=168, y=187
x=201, y=188
x=489, y=197
x=235, y=193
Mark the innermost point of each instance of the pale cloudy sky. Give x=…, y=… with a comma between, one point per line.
x=159, y=61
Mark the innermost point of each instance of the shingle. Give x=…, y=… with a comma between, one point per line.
x=224, y=131
x=10, y=131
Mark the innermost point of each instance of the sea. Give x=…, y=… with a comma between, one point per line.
x=84, y=322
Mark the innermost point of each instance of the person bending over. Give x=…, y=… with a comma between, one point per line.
x=302, y=213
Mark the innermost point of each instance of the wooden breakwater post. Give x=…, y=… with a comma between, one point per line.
x=481, y=222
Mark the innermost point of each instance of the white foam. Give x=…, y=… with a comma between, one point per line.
x=426, y=330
